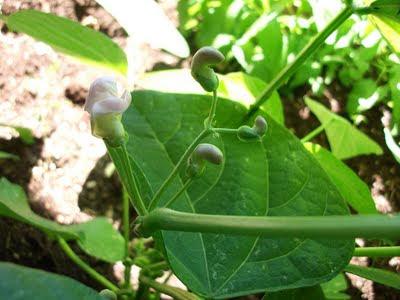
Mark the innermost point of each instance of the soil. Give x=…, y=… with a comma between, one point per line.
x=66, y=172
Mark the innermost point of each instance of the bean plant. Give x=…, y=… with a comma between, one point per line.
x=235, y=203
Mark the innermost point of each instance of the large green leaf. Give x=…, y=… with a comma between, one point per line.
x=352, y=188
x=21, y=283
x=345, y=140
x=378, y=275
x=236, y=86
x=70, y=38
x=96, y=237
x=274, y=177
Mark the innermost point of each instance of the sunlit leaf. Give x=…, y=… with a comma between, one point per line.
x=352, y=188
x=345, y=140
x=70, y=38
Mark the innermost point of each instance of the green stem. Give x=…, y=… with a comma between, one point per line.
x=177, y=168
x=314, y=133
x=120, y=157
x=213, y=109
x=290, y=69
x=162, y=265
x=377, y=251
x=273, y=226
x=125, y=221
x=85, y=267
x=225, y=130
x=176, y=196
x=175, y=293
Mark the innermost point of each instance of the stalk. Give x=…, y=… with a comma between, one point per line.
x=85, y=267
x=174, y=292
x=350, y=226
x=377, y=251
x=290, y=69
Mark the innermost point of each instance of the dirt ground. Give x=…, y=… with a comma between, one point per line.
x=67, y=174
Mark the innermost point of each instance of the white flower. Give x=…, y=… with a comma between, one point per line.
x=105, y=108
x=103, y=97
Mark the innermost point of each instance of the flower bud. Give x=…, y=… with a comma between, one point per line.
x=247, y=133
x=203, y=153
x=105, y=108
x=203, y=59
x=108, y=294
x=260, y=126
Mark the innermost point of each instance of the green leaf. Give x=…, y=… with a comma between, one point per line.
x=378, y=275
x=236, y=86
x=345, y=140
x=307, y=293
x=6, y=155
x=386, y=17
x=274, y=177
x=25, y=134
x=335, y=288
x=70, y=38
x=392, y=144
x=352, y=188
x=96, y=237
x=21, y=283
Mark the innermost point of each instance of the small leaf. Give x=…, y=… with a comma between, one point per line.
x=6, y=155
x=392, y=144
x=96, y=237
x=364, y=95
x=21, y=283
x=352, y=188
x=236, y=86
x=306, y=293
x=70, y=38
x=345, y=140
x=335, y=289
x=378, y=275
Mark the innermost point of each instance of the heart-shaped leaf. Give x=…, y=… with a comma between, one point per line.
x=21, y=283
x=274, y=177
x=96, y=237
x=345, y=140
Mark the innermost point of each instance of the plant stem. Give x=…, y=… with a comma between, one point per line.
x=120, y=157
x=288, y=226
x=304, y=54
x=225, y=130
x=125, y=221
x=377, y=251
x=175, y=293
x=176, y=196
x=314, y=132
x=178, y=166
x=84, y=266
x=213, y=109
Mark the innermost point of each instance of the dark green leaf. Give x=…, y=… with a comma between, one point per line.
x=275, y=177
x=345, y=140
x=307, y=293
x=97, y=237
x=378, y=275
x=352, y=188
x=70, y=38
x=21, y=283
